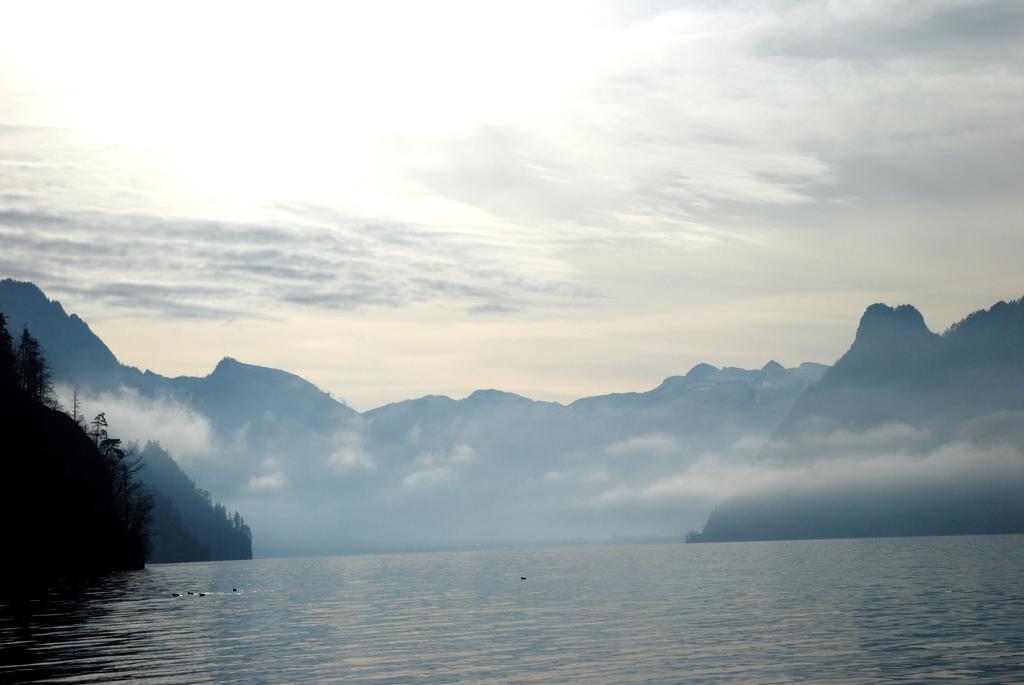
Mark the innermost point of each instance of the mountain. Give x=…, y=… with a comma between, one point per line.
x=231, y=394
x=75, y=354
x=314, y=476
x=708, y=408
x=502, y=467
x=898, y=372
x=187, y=524
x=259, y=412
x=943, y=415
x=266, y=401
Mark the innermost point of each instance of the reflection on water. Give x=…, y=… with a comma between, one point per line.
x=852, y=611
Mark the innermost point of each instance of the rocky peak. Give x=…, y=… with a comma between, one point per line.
x=882, y=325
x=701, y=372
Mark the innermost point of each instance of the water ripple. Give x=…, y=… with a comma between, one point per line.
x=854, y=611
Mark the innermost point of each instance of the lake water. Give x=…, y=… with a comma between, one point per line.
x=849, y=611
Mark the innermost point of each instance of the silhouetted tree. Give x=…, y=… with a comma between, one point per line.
x=76, y=413
x=98, y=428
x=7, y=358
x=133, y=502
x=32, y=371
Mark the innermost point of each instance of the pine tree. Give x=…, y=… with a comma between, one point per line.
x=32, y=371
x=76, y=411
x=133, y=502
x=7, y=358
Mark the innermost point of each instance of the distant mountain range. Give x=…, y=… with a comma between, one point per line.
x=434, y=471
x=862, y=448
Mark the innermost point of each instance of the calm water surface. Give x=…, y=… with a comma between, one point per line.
x=851, y=611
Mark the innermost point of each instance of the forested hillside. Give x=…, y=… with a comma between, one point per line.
x=69, y=502
x=187, y=524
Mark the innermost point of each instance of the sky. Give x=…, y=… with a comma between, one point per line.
x=557, y=199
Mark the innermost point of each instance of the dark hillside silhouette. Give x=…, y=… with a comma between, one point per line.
x=73, y=351
x=68, y=502
x=171, y=540
x=187, y=524
x=902, y=392
x=897, y=371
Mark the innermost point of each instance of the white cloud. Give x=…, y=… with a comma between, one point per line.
x=461, y=454
x=349, y=453
x=612, y=496
x=621, y=170
x=268, y=482
x=822, y=458
x=646, y=445
x=427, y=476
x=436, y=467
x=712, y=481
x=180, y=430
x=615, y=123
x=414, y=434
x=821, y=439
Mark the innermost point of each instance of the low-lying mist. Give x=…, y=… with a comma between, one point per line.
x=133, y=417
x=521, y=473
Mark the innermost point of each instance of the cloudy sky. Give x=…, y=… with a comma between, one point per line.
x=557, y=199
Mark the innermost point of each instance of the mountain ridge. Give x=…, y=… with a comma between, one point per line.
x=897, y=370
x=911, y=398
x=435, y=471
x=229, y=366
